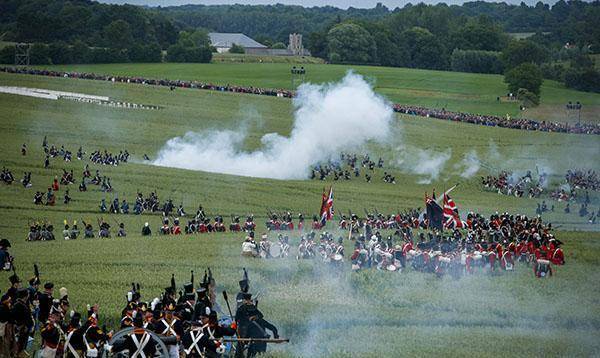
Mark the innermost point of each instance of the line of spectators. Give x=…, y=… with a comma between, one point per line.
x=496, y=121
x=148, y=81
x=487, y=120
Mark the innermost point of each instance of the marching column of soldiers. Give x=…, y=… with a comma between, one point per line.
x=184, y=324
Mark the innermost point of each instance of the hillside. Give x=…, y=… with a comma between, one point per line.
x=467, y=92
x=324, y=312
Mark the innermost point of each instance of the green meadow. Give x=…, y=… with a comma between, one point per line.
x=324, y=312
x=468, y=92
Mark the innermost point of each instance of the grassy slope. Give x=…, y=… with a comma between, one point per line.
x=468, y=92
x=372, y=313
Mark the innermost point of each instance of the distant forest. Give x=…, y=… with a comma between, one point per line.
x=473, y=37
x=565, y=20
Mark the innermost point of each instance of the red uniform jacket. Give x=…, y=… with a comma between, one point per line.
x=558, y=257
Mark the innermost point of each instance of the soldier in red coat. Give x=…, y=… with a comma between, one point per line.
x=55, y=186
x=316, y=225
x=300, y=222
x=558, y=257
x=176, y=229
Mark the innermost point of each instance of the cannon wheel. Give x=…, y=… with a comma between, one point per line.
x=161, y=348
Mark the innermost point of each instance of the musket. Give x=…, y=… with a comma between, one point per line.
x=229, y=309
x=264, y=340
x=228, y=306
x=115, y=220
x=256, y=298
x=36, y=312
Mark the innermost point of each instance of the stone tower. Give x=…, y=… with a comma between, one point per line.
x=295, y=45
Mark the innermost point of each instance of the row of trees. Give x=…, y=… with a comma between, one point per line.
x=89, y=32
x=192, y=46
x=93, y=23
x=435, y=41
x=565, y=20
x=62, y=53
x=391, y=42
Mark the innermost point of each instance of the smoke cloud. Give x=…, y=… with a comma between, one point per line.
x=470, y=164
x=328, y=119
x=426, y=163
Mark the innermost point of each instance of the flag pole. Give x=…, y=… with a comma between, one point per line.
x=446, y=193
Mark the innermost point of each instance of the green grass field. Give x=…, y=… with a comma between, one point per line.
x=455, y=91
x=323, y=313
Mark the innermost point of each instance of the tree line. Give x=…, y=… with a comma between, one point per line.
x=83, y=31
x=441, y=38
x=473, y=37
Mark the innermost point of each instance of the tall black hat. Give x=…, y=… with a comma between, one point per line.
x=244, y=282
x=189, y=287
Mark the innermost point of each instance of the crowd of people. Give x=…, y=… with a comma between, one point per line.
x=144, y=204
x=44, y=231
x=487, y=120
x=107, y=158
x=497, y=121
x=348, y=167
x=508, y=183
x=182, y=322
x=172, y=84
x=583, y=179
x=98, y=157
x=68, y=177
x=490, y=245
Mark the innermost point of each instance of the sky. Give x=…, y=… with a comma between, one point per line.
x=344, y=4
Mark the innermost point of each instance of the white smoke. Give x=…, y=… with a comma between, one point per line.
x=426, y=163
x=470, y=164
x=328, y=119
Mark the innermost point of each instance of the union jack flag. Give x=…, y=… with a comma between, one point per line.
x=451, y=217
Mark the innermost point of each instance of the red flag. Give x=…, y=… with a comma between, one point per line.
x=327, y=207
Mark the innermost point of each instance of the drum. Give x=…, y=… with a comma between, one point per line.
x=543, y=267
x=275, y=251
x=391, y=267
x=338, y=258
x=263, y=254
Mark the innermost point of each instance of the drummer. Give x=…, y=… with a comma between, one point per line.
x=541, y=266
